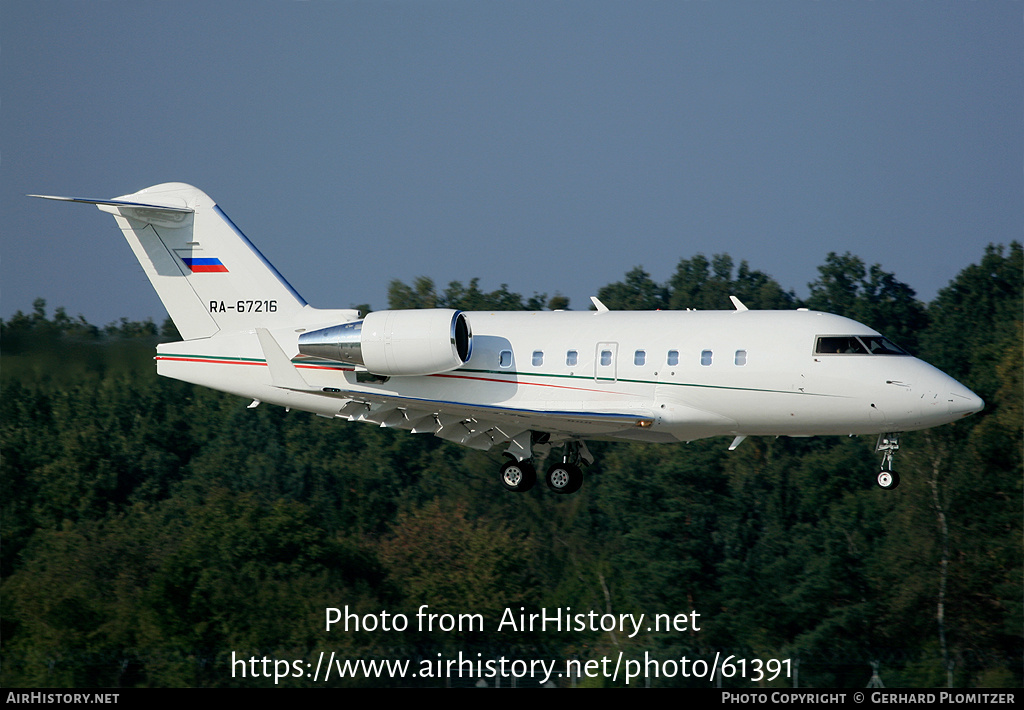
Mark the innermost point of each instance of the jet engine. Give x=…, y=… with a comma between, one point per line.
x=392, y=343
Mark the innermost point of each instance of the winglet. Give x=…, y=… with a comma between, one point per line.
x=739, y=305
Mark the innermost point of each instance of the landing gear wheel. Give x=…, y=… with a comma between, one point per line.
x=565, y=478
x=888, y=479
x=518, y=476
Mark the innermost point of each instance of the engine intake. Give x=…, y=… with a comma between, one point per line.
x=393, y=343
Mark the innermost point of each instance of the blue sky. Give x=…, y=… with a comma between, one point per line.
x=551, y=146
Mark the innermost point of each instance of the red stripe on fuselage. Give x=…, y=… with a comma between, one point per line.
x=521, y=382
x=344, y=369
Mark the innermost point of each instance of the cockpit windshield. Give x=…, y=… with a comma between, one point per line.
x=856, y=345
x=877, y=345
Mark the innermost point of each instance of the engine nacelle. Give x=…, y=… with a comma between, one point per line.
x=392, y=343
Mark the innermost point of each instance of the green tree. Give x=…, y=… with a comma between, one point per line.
x=423, y=294
x=437, y=555
x=974, y=319
x=706, y=285
x=637, y=293
x=846, y=287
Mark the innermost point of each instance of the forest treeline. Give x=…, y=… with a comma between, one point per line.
x=151, y=528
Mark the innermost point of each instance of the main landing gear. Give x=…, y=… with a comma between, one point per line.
x=888, y=444
x=518, y=476
x=564, y=477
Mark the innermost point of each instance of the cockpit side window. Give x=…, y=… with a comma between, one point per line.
x=856, y=345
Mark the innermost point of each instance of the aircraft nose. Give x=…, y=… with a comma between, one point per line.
x=963, y=402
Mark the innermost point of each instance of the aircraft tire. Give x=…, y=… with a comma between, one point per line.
x=565, y=478
x=518, y=476
x=888, y=479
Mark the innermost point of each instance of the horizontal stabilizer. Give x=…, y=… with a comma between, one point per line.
x=115, y=203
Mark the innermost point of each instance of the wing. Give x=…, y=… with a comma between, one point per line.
x=482, y=426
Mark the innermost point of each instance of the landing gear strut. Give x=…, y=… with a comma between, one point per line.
x=888, y=444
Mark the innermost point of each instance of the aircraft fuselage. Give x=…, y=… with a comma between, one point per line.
x=682, y=375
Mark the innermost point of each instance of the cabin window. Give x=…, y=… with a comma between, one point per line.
x=741, y=357
x=538, y=358
x=639, y=357
x=606, y=358
x=673, y=357
x=705, y=358
x=505, y=358
x=571, y=358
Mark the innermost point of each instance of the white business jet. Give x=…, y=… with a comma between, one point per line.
x=525, y=381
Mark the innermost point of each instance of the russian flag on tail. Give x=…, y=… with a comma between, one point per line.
x=205, y=264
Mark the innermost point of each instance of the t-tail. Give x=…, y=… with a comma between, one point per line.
x=210, y=277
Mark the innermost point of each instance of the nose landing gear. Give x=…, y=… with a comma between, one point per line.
x=888, y=479
x=888, y=444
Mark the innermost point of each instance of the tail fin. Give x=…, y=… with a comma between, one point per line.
x=209, y=276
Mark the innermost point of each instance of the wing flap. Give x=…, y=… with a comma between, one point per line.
x=482, y=426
